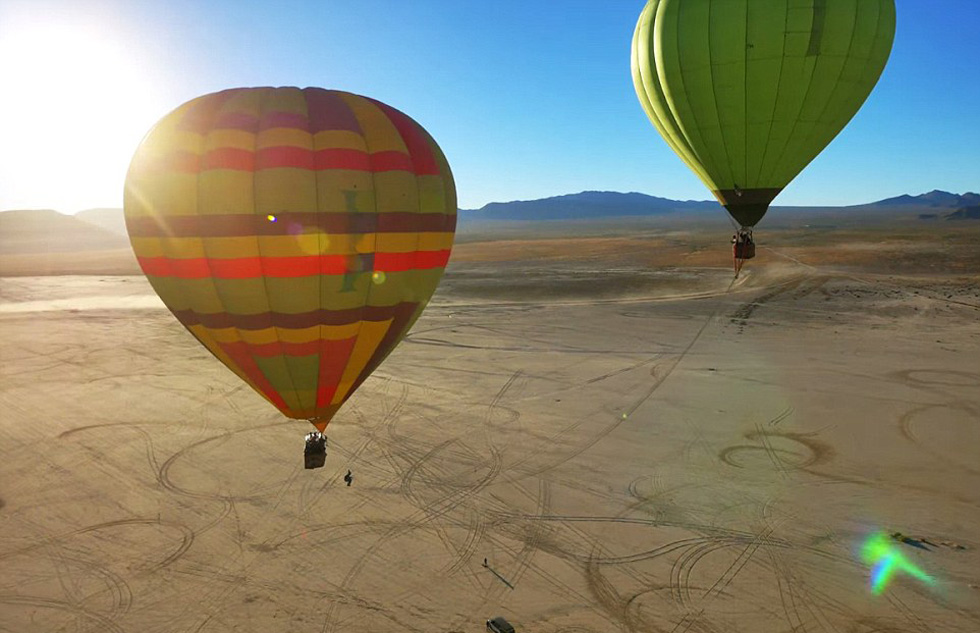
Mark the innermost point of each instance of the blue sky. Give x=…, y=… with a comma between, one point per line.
x=527, y=98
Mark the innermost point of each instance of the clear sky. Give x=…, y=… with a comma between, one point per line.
x=527, y=98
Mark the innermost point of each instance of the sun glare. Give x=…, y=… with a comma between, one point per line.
x=75, y=107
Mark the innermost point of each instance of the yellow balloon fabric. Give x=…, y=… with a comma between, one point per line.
x=296, y=233
x=748, y=92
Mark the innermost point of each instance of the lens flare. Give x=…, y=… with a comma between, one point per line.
x=378, y=277
x=270, y=218
x=885, y=560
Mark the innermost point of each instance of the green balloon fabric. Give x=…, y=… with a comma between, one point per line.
x=748, y=92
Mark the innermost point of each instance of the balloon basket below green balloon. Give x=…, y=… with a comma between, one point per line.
x=745, y=250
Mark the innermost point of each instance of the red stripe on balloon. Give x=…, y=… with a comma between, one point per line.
x=273, y=157
x=229, y=158
x=391, y=161
x=340, y=158
x=333, y=361
x=196, y=268
x=241, y=355
x=285, y=267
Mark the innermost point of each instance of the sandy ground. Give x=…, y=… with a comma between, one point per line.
x=630, y=449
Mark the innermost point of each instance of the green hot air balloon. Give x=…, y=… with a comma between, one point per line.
x=748, y=92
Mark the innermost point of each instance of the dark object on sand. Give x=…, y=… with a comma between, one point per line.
x=499, y=625
x=921, y=543
x=348, y=478
x=315, y=452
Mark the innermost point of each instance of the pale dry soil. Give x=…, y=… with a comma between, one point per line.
x=630, y=448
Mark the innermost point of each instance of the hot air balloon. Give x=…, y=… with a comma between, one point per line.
x=296, y=233
x=748, y=92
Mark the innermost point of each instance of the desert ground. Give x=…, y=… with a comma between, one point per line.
x=633, y=441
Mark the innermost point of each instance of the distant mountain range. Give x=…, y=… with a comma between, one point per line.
x=610, y=204
x=47, y=231
x=935, y=198
x=588, y=204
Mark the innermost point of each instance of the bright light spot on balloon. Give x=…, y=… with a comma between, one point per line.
x=378, y=277
x=270, y=218
x=885, y=558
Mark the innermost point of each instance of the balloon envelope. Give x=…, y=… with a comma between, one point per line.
x=297, y=233
x=748, y=92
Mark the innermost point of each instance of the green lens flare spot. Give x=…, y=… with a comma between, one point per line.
x=378, y=277
x=886, y=559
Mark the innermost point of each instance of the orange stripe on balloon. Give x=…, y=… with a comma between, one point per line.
x=229, y=158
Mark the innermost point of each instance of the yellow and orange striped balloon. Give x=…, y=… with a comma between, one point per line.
x=297, y=233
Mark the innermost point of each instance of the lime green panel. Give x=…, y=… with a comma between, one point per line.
x=727, y=46
x=647, y=83
x=793, y=87
x=344, y=292
x=344, y=190
x=835, y=37
x=396, y=192
x=303, y=371
x=408, y=286
x=293, y=295
x=861, y=60
x=285, y=372
x=765, y=63
x=688, y=84
x=199, y=295
x=239, y=296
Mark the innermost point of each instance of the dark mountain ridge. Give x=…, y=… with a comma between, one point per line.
x=587, y=204
x=610, y=204
x=934, y=198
